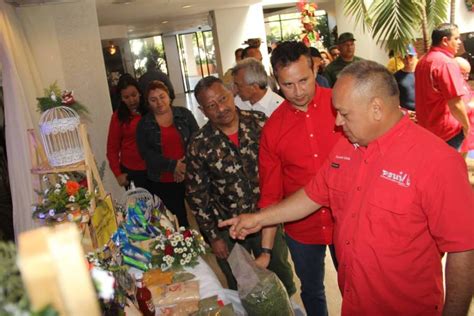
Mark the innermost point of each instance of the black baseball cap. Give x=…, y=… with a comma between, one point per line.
x=344, y=37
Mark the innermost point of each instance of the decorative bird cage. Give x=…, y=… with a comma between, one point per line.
x=59, y=128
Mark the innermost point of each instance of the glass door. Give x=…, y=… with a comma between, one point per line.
x=197, y=57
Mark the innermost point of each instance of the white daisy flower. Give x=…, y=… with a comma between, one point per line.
x=72, y=199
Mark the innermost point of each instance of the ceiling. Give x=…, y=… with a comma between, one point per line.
x=161, y=16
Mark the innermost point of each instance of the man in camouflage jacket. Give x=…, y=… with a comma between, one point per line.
x=222, y=177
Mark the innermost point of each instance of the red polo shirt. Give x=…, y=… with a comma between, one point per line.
x=398, y=204
x=293, y=146
x=437, y=80
x=122, y=145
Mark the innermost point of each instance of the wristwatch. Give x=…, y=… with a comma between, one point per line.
x=267, y=250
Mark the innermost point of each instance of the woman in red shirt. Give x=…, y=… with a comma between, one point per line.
x=162, y=137
x=122, y=153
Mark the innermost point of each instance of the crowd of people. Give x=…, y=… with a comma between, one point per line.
x=323, y=153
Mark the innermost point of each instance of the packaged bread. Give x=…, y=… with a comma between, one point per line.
x=157, y=277
x=176, y=293
x=180, y=309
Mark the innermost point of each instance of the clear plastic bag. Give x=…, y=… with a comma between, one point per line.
x=260, y=290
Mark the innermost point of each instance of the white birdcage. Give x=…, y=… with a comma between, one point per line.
x=59, y=128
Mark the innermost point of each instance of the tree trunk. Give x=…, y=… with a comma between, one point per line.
x=424, y=28
x=453, y=10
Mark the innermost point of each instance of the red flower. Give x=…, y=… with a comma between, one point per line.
x=67, y=98
x=167, y=232
x=187, y=233
x=72, y=187
x=169, y=250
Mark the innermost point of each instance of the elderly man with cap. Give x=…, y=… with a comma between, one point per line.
x=406, y=79
x=346, y=46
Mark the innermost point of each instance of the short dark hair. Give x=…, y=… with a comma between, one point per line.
x=289, y=52
x=371, y=77
x=204, y=84
x=442, y=30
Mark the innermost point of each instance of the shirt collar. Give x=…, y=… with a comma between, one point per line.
x=311, y=104
x=442, y=50
x=264, y=102
x=384, y=142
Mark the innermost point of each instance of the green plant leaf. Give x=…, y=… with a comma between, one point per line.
x=394, y=23
x=436, y=13
x=359, y=11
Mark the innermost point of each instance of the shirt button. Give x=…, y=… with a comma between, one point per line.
x=358, y=188
x=353, y=215
x=307, y=115
x=324, y=227
x=311, y=135
x=315, y=155
x=365, y=161
x=323, y=211
x=348, y=242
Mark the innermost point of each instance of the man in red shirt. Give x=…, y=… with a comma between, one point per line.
x=439, y=88
x=396, y=209
x=295, y=142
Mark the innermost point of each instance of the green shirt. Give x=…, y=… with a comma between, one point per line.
x=333, y=69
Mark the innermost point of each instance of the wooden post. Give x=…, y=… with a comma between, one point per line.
x=54, y=271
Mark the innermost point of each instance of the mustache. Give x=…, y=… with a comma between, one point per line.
x=223, y=114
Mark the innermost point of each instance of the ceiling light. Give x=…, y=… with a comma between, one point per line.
x=112, y=49
x=187, y=6
x=164, y=22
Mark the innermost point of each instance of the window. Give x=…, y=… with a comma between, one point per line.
x=288, y=27
x=143, y=50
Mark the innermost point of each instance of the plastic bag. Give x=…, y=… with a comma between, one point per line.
x=175, y=293
x=211, y=307
x=260, y=290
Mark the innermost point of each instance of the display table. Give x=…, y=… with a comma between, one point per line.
x=209, y=285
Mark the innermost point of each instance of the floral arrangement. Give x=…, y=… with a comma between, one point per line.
x=112, y=282
x=308, y=12
x=54, y=97
x=66, y=199
x=177, y=249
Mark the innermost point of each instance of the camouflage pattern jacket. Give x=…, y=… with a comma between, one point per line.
x=221, y=178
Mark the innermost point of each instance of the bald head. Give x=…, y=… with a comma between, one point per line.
x=463, y=64
x=365, y=97
x=373, y=80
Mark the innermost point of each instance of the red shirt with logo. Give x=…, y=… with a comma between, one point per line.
x=293, y=146
x=398, y=205
x=437, y=80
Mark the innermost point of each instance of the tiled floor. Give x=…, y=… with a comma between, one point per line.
x=332, y=291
